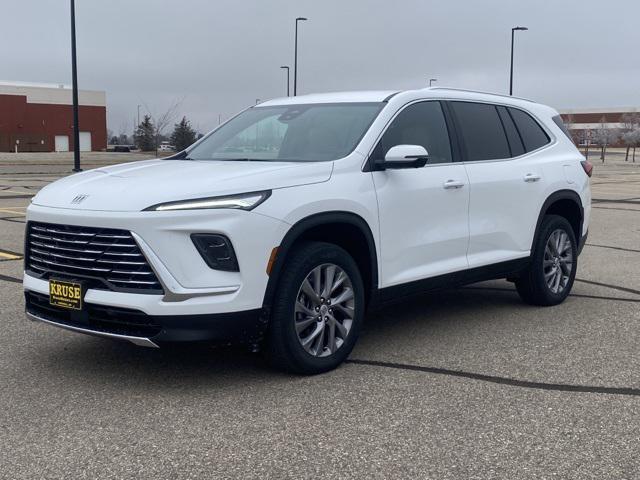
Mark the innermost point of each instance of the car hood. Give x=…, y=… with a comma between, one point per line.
x=132, y=187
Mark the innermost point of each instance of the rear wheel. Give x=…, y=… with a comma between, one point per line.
x=318, y=310
x=549, y=278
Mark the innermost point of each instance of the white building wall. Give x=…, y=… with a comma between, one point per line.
x=51, y=94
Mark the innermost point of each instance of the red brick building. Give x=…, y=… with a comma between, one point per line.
x=583, y=123
x=39, y=118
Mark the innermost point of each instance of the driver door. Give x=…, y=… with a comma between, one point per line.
x=423, y=212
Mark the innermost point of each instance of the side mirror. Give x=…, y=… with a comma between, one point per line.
x=404, y=156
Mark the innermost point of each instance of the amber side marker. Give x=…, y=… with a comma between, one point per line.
x=272, y=260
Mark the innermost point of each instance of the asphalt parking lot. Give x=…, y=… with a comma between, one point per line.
x=469, y=383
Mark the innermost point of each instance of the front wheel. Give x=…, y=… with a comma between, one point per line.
x=318, y=310
x=554, y=260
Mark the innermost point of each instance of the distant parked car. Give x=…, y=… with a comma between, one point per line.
x=165, y=147
x=122, y=148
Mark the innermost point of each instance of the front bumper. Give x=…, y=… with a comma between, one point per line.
x=190, y=287
x=149, y=330
x=197, y=303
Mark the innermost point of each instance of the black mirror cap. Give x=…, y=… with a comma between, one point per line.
x=419, y=162
x=216, y=250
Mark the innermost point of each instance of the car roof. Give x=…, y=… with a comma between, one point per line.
x=333, y=97
x=407, y=96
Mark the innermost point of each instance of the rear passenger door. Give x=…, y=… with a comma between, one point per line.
x=506, y=182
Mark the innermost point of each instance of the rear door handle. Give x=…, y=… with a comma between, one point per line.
x=531, y=177
x=452, y=184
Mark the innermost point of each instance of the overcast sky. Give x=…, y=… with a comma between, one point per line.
x=221, y=55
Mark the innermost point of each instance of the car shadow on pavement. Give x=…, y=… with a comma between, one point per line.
x=188, y=365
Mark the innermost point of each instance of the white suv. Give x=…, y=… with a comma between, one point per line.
x=284, y=225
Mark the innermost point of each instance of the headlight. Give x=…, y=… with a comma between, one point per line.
x=244, y=201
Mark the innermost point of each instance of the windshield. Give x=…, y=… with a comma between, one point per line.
x=289, y=133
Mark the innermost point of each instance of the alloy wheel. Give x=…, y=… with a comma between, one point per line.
x=324, y=311
x=558, y=261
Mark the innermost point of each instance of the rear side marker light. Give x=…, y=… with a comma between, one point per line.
x=587, y=166
x=217, y=251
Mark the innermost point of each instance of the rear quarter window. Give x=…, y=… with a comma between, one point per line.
x=558, y=121
x=532, y=134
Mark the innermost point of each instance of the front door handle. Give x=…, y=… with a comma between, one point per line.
x=531, y=177
x=452, y=184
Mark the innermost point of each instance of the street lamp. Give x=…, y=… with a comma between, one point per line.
x=139, y=114
x=513, y=31
x=295, y=58
x=74, y=80
x=287, y=68
x=431, y=80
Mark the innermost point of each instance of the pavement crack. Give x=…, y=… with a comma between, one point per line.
x=618, y=209
x=632, y=201
x=559, y=387
x=613, y=248
x=608, y=285
x=7, y=278
x=579, y=295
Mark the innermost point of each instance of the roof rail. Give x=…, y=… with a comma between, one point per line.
x=480, y=91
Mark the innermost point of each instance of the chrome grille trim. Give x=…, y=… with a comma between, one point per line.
x=108, y=258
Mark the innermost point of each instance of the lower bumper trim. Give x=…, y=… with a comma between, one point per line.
x=141, y=341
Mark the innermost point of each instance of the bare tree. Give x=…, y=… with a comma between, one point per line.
x=163, y=119
x=588, y=135
x=605, y=136
x=123, y=136
x=630, y=122
x=632, y=140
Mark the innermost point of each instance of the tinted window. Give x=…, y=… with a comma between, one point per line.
x=515, y=142
x=558, y=121
x=419, y=124
x=532, y=134
x=481, y=131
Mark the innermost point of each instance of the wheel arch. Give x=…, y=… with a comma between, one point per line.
x=355, y=233
x=566, y=203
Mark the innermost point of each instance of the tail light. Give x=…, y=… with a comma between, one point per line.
x=587, y=167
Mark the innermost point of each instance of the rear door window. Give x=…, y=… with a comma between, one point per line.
x=481, y=131
x=533, y=136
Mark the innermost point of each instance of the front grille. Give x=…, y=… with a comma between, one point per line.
x=121, y=321
x=107, y=258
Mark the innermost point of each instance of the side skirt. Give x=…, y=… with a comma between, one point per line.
x=395, y=293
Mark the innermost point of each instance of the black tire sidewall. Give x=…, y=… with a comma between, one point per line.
x=282, y=335
x=550, y=224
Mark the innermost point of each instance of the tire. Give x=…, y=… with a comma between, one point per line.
x=299, y=301
x=538, y=284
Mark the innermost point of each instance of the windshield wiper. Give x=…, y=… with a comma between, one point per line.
x=243, y=159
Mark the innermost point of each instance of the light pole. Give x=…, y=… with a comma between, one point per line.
x=287, y=68
x=295, y=58
x=74, y=80
x=513, y=32
x=431, y=80
x=139, y=114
